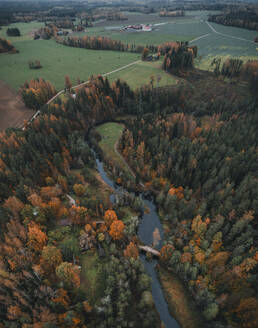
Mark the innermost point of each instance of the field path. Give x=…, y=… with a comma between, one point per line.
x=84, y=83
x=200, y=37
x=81, y=85
x=227, y=35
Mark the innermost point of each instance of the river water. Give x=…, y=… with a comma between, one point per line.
x=149, y=222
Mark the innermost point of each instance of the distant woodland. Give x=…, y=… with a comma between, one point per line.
x=240, y=18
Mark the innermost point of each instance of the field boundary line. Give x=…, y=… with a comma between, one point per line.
x=227, y=35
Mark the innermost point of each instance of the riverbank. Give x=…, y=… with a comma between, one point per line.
x=180, y=305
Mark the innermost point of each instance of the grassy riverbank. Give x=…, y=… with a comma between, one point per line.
x=180, y=304
x=110, y=134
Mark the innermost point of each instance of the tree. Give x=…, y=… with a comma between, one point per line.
x=14, y=204
x=68, y=83
x=117, y=229
x=36, y=237
x=211, y=311
x=79, y=190
x=145, y=53
x=131, y=251
x=69, y=274
x=247, y=312
x=51, y=258
x=166, y=252
x=109, y=217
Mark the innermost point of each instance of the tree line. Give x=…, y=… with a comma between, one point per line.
x=245, y=18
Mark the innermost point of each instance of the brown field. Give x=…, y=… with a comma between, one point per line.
x=13, y=112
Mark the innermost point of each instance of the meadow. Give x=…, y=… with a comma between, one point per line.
x=110, y=133
x=58, y=60
x=141, y=73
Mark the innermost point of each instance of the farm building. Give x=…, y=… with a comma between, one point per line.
x=146, y=28
x=142, y=27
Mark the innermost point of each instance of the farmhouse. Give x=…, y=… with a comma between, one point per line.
x=146, y=28
x=142, y=27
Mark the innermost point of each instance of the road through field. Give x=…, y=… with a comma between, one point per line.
x=84, y=83
x=227, y=35
x=200, y=37
x=81, y=85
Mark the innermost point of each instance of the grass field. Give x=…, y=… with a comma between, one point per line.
x=110, y=134
x=141, y=73
x=92, y=276
x=26, y=30
x=164, y=33
x=58, y=60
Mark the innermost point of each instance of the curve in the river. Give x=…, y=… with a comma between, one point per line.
x=150, y=221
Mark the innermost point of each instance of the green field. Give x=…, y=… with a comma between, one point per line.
x=58, y=60
x=110, y=134
x=162, y=34
x=92, y=276
x=26, y=30
x=141, y=73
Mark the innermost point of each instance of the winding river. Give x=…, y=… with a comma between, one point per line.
x=150, y=221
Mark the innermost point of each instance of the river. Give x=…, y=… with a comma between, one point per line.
x=149, y=222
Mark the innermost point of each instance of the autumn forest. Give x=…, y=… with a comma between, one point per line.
x=101, y=168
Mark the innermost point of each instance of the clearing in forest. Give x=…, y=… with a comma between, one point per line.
x=110, y=134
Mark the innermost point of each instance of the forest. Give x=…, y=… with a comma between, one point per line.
x=102, y=43
x=69, y=245
x=6, y=46
x=201, y=165
x=245, y=18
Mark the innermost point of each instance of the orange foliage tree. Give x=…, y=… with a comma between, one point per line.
x=179, y=192
x=36, y=237
x=131, y=251
x=68, y=83
x=117, y=229
x=62, y=298
x=14, y=204
x=37, y=92
x=109, y=217
x=166, y=252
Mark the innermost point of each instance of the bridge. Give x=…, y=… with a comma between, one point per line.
x=149, y=250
